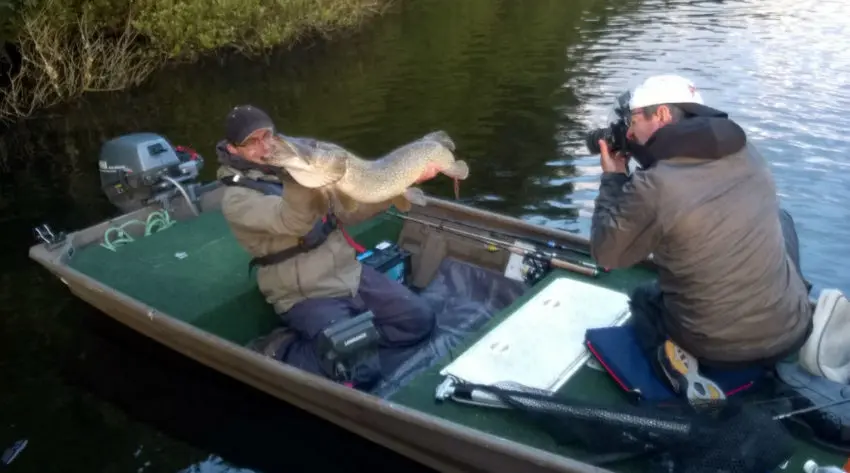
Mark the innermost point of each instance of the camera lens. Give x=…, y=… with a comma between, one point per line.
x=593, y=137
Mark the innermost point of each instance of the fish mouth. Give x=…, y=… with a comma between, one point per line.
x=458, y=170
x=288, y=163
x=284, y=154
x=299, y=163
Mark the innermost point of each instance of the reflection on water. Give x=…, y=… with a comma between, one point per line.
x=779, y=68
x=516, y=83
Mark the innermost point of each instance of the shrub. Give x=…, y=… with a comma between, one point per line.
x=70, y=47
x=65, y=53
x=186, y=29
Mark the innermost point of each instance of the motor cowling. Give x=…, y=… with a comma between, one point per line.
x=140, y=168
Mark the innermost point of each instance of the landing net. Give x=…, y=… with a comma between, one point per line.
x=674, y=438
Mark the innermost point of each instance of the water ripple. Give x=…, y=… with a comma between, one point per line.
x=779, y=68
x=517, y=84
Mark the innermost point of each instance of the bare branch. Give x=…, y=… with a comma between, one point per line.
x=62, y=59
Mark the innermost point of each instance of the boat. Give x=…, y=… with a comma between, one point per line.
x=169, y=268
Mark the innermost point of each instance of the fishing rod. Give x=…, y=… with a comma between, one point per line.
x=810, y=409
x=554, y=259
x=545, y=243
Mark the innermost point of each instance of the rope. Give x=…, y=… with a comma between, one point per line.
x=351, y=241
x=156, y=221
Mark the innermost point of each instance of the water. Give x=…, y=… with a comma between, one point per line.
x=517, y=84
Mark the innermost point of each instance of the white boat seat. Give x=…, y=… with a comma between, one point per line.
x=826, y=352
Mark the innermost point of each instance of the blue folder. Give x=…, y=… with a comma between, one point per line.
x=618, y=351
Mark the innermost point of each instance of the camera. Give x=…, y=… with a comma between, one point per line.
x=615, y=133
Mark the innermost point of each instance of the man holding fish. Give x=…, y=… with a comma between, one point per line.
x=307, y=266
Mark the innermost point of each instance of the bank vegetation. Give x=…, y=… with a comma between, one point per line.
x=61, y=49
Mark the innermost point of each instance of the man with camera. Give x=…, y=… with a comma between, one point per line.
x=703, y=203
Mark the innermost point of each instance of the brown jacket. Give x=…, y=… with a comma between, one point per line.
x=264, y=224
x=708, y=212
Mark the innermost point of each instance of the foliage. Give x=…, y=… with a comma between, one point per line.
x=70, y=47
x=65, y=53
x=185, y=29
x=501, y=77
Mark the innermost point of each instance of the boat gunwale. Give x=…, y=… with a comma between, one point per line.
x=439, y=443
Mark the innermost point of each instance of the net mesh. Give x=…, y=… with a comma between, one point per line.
x=674, y=438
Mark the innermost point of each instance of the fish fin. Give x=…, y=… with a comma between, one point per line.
x=402, y=204
x=347, y=203
x=415, y=196
x=441, y=137
x=320, y=202
x=458, y=170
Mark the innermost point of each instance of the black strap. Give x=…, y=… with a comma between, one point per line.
x=276, y=257
x=265, y=187
x=312, y=240
x=320, y=232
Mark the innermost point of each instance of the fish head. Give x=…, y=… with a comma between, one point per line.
x=309, y=166
x=441, y=157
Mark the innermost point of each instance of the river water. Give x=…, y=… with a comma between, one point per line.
x=516, y=83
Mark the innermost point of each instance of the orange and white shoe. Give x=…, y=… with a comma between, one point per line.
x=682, y=371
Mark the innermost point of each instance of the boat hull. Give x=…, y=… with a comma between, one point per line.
x=438, y=443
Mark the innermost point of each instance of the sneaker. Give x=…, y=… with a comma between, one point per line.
x=682, y=371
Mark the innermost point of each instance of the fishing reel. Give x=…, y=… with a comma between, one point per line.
x=534, y=269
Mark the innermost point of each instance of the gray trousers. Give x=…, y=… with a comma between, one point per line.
x=402, y=318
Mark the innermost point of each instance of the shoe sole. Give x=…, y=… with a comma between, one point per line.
x=685, y=374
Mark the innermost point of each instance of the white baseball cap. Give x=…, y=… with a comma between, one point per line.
x=672, y=89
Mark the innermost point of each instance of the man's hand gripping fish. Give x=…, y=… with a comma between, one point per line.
x=320, y=164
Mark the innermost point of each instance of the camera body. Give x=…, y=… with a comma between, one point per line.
x=615, y=133
x=348, y=350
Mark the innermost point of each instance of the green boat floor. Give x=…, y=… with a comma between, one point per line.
x=586, y=385
x=210, y=287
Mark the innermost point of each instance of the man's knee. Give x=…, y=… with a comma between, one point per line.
x=789, y=231
x=407, y=320
x=424, y=316
x=333, y=340
x=792, y=243
x=647, y=298
x=647, y=308
x=386, y=297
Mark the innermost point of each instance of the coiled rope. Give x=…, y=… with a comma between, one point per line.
x=156, y=221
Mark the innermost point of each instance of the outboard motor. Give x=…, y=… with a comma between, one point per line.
x=142, y=168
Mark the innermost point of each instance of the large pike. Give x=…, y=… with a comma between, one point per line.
x=317, y=164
